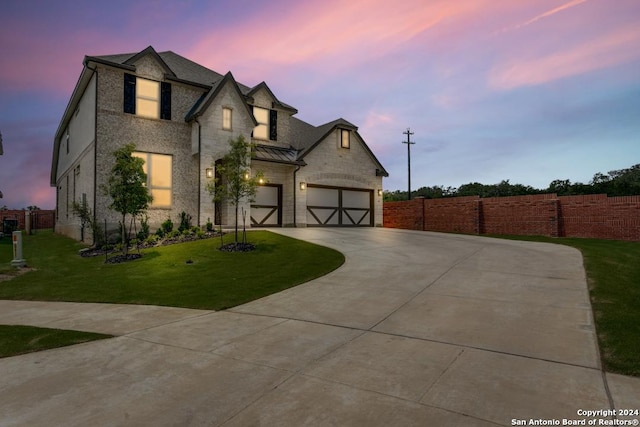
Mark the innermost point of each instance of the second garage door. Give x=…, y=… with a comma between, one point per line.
x=335, y=206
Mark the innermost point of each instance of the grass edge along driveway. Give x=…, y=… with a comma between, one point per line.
x=191, y=274
x=613, y=278
x=18, y=339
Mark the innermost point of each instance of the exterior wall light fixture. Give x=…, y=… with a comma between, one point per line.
x=379, y=191
x=209, y=172
x=303, y=185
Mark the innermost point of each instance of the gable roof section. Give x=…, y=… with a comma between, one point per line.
x=307, y=137
x=176, y=67
x=151, y=51
x=203, y=103
x=277, y=102
x=180, y=69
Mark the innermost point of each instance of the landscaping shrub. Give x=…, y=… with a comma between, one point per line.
x=185, y=221
x=167, y=226
x=144, y=225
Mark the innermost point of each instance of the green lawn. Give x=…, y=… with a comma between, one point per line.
x=217, y=280
x=214, y=280
x=6, y=255
x=613, y=272
x=16, y=339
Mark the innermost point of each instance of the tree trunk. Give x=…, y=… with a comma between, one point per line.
x=125, y=246
x=236, y=222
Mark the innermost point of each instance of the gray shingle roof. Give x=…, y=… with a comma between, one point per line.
x=305, y=137
x=183, y=68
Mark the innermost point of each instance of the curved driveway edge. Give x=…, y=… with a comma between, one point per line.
x=415, y=328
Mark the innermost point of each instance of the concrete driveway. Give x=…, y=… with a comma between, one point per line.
x=415, y=329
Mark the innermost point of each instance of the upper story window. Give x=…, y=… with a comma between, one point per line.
x=147, y=98
x=262, y=117
x=159, y=177
x=226, y=118
x=345, y=138
x=267, y=127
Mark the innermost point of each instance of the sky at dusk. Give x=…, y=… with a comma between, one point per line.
x=526, y=90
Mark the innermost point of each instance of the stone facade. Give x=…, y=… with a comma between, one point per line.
x=329, y=164
x=194, y=138
x=171, y=137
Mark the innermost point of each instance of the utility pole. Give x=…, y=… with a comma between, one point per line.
x=409, y=144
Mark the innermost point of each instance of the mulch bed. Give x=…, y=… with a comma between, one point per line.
x=116, y=259
x=238, y=247
x=122, y=258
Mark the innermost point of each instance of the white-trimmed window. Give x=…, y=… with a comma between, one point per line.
x=147, y=98
x=262, y=117
x=159, y=177
x=226, y=118
x=345, y=138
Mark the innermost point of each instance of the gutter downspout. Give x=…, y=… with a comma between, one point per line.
x=199, y=168
x=95, y=158
x=295, y=189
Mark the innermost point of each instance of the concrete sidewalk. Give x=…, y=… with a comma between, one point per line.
x=415, y=329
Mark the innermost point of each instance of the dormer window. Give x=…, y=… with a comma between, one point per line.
x=261, y=131
x=267, y=127
x=345, y=137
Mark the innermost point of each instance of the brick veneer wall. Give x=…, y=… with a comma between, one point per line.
x=520, y=215
x=600, y=217
x=592, y=216
x=460, y=214
x=41, y=219
x=406, y=215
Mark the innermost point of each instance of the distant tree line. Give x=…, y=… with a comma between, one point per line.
x=623, y=182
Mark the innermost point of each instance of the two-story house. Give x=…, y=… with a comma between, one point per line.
x=181, y=116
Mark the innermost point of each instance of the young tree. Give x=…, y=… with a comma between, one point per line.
x=83, y=211
x=127, y=188
x=235, y=182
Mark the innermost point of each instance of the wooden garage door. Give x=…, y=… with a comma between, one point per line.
x=266, y=210
x=334, y=207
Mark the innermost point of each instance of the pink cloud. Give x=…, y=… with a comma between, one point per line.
x=546, y=14
x=332, y=34
x=618, y=47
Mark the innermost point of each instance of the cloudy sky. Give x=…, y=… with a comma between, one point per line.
x=525, y=90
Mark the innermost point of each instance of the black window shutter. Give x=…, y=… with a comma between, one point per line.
x=251, y=107
x=165, y=101
x=273, y=125
x=129, y=93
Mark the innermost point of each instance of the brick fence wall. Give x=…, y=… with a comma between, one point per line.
x=593, y=216
x=40, y=219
